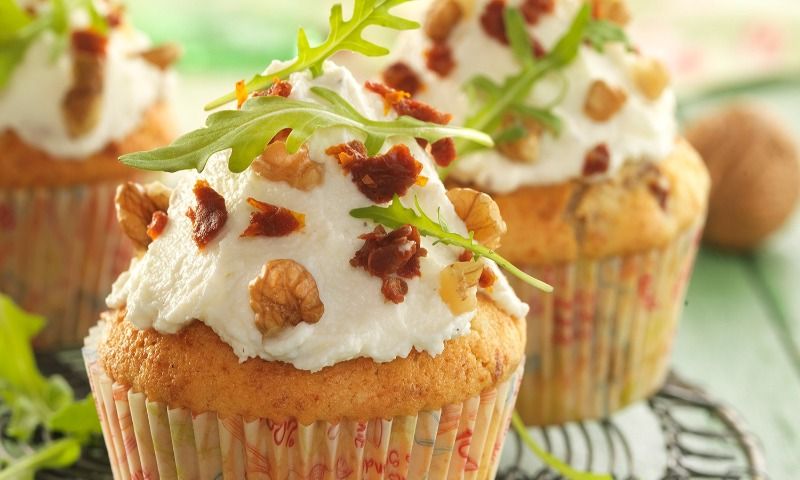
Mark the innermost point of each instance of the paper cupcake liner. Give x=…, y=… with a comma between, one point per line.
x=603, y=339
x=60, y=250
x=149, y=440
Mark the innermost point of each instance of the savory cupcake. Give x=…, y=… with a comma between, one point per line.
x=313, y=303
x=78, y=87
x=602, y=198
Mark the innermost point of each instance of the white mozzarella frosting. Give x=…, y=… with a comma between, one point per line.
x=643, y=130
x=174, y=283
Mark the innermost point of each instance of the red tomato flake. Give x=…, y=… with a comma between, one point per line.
x=380, y=177
x=487, y=278
x=443, y=151
x=157, y=224
x=209, y=216
x=597, y=160
x=279, y=88
x=391, y=257
x=465, y=256
x=401, y=77
x=89, y=41
x=660, y=190
x=272, y=221
x=533, y=10
x=538, y=49
x=492, y=21
x=403, y=105
x=439, y=59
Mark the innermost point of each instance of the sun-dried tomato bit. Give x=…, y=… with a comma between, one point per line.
x=89, y=41
x=403, y=105
x=391, y=257
x=659, y=187
x=279, y=88
x=421, y=181
x=439, y=59
x=458, y=286
x=442, y=18
x=597, y=160
x=487, y=278
x=443, y=151
x=466, y=256
x=208, y=216
x=347, y=153
x=493, y=22
x=534, y=10
x=401, y=77
x=157, y=224
x=270, y=220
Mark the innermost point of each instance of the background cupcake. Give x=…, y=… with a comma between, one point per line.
x=78, y=87
x=602, y=199
x=308, y=316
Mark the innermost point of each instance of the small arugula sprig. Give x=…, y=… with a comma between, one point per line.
x=396, y=215
x=18, y=29
x=35, y=405
x=247, y=131
x=343, y=35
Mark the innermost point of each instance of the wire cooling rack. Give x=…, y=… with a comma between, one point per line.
x=680, y=433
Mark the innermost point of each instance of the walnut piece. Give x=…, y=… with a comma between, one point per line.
x=136, y=204
x=651, y=77
x=83, y=101
x=603, y=101
x=615, y=11
x=458, y=286
x=284, y=294
x=442, y=18
x=297, y=169
x=162, y=56
x=525, y=149
x=481, y=215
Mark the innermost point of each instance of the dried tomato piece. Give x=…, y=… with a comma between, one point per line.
x=596, y=160
x=209, y=216
x=533, y=10
x=272, y=221
x=538, y=49
x=465, y=256
x=157, y=224
x=439, y=59
x=380, y=177
x=493, y=22
x=660, y=190
x=487, y=278
x=403, y=105
x=279, y=88
x=401, y=77
x=89, y=41
x=390, y=256
x=443, y=151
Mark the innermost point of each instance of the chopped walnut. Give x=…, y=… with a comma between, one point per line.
x=525, y=149
x=137, y=207
x=162, y=56
x=389, y=256
x=297, y=169
x=493, y=22
x=651, y=77
x=615, y=11
x=597, y=160
x=443, y=151
x=400, y=76
x=284, y=294
x=439, y=59
x=272, y=221
x=603, y=101
x=82, y=103
x=481, y=215
x=209, y=216
x=458, y=286
x=403, y=105
x=443, y=16
x=533, y=10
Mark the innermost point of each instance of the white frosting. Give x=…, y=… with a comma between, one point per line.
x=642, y=130
x=174, y=283
x=30, y=104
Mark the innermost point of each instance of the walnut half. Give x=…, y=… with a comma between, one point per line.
x=458, y=286
x=297, y=169
x=284, y=294
x=481, y=215
x=135, y=205
x=603, y=101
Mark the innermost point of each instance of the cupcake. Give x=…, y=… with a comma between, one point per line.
x=602, y=198
x=78, y=87
x=313, y=303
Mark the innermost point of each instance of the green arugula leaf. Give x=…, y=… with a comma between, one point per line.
x=518, y=37
x=396, y=215
x=248, y=130
x=600, y=32
x=343, y=35
x=12, y=19
x=59, y=454
x=554, y=463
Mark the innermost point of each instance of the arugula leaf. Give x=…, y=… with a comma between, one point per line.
x=600, y=32
x=396, y=215
x=555, y=464
x=247, y=131
x=343, y=35
x=30, y=401
x=12, y=18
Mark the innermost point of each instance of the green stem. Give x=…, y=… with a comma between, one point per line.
x=57, y=454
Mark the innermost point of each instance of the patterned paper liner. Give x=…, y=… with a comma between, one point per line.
x=60, y=250
x=149, y=440
x=603, y=339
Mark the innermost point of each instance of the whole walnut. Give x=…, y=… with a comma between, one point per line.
x=755, y=174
